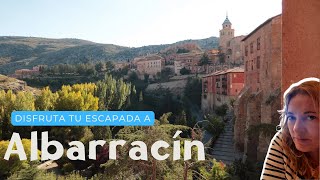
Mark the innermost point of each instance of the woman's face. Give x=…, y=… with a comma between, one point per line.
x=303, y=123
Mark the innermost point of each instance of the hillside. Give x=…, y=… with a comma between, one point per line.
x=8, y=83
x=25, y=52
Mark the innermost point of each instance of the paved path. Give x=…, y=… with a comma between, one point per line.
x=223, y=148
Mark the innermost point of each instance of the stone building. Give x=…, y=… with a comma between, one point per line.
x=213, y=55
x=27, y=73
x=121, y=65
x=220, y=87
x=235, y=49
x=226, y=34
x=151, y=64
x=259, y=101
x=229, y=45
x=189, y=61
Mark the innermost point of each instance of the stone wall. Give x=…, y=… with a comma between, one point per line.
x=241, y=115
x=262, y=81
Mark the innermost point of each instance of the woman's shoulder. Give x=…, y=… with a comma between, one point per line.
x=278, y=138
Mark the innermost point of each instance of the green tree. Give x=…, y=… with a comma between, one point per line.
x=133, y=76
x=181, y=119
x=109, y=66
x=10, y=102
x=146, y=78
x=204, y=61
x=14, y=164
x=99, y=66
x=150, y=169
x=72, y=98
x=166, y=73
x=185, y=71
x=215, y=126
x=222, y=57
x=193, y=91
x=113, y=94
x=164, y=119
x=81, y=68
x=46, y=100
x=182, y=50
x=101, y=132
x=222, y=110
x=216, y=171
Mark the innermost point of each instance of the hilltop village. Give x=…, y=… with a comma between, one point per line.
x=233, y=83
x=243, y=73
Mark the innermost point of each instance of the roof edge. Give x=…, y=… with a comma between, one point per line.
x=260, y=26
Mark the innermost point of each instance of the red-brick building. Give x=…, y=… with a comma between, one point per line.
x=220, y=87
x=263, y=56
x=260, y=99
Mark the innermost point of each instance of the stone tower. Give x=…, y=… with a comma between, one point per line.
x=226, y=34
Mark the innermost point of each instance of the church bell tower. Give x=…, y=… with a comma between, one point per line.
x=226, y=34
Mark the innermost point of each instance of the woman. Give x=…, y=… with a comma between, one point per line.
x=294, y=150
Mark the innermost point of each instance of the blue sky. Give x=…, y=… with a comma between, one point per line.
x=132, y=23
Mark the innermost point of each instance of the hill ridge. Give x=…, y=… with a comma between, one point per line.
x=17, y=52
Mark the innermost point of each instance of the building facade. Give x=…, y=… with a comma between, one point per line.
x=151, y=64
x=221, y=87
x=27, y=73
x=231, y=47
x=259, y=101
x=226, y=34
x=189, y=61
x=235, y=49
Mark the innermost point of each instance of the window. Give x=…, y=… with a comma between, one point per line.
x=251, y=64
x=251, y=47
x=246, y=51
x=258, y=43
x=258, y=62
x=246, y=65
x=267, y=70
